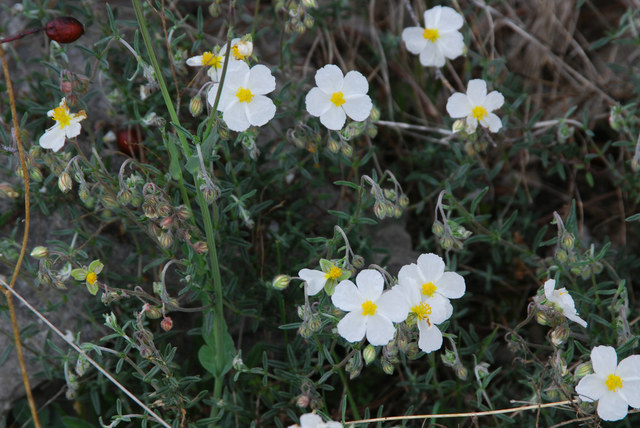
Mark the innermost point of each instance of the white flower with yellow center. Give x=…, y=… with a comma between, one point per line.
x=476, y=106
x=327, y=278
x=615, y=386
x=427, y=312
x=67, y=126
x=429, y=277
x=242, y=100
x=563, y=301
x=438, y=39
x=370, y=311
x=338, y=96
x=212, y=60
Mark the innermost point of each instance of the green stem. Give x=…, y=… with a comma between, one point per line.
x=352, y=402
x=204, y=208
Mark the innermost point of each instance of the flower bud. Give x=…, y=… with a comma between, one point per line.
x=379, y=210
x=39, y=252
x=153, y=313
x=149, y=210
x=369, y=354
x=375, y=114
x=166, y=239
x=387, y=367
x=358, y=261
x=567, y=241
x=7, y=191
x=347, y=150
x=583, y=370
x=303, y=401
x=458, y=126
x=448, y=358
x=109, y=201
x=163, y=209
x=281, y=282
x=462, y=372
x=561, y=255
x=81, y=365
x=437, y=228
x=195, y=106
x=166, y=222
x=542, y=319
x=403, y=201
x=124, y=196
x=315, y=323
x=200, y=247
x=446, y=243
x=64, y=29
x=35, y=174
x=305, y=331
x=166, y=324
x=559, y=335
x=333, y=146
x=183, y=212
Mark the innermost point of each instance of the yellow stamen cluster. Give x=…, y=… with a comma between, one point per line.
x=334, y=273
x=369, y=308
x=422, y=311
x=209, y=59
x=62, y=115
x=92, y=278
x=431, y=34
x=479, y=112
x=244, y=95
x=613, y=382
x=337, y=98
x=429, y=289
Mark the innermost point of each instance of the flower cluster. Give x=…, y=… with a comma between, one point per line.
x=421, y=297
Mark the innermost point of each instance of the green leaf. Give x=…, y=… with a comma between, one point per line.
x=347, y=184
x=193, y=164
x=174, y=168
x=214, y=364
x=207, y=359
x=635, y=217
x=79, y=274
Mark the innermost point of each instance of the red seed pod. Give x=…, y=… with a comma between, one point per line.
x=129, y=141
x=166, y=323
x=64, y=29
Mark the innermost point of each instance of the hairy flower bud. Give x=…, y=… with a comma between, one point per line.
x=281, y=282
x=152, y=312
x=333, y=146
x=124, y=196
x=35, y=174
x=369, y=354
x=64, y=29
x=166, y=324
x=200, y=247
x=387, y=367
x=166, y=239
x=195, y=106
x=437, y=228
x=40, y=252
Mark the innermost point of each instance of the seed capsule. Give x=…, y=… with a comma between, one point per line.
x=64, y=29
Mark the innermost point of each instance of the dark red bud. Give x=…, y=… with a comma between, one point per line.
x=129, y=141
x=64, y=29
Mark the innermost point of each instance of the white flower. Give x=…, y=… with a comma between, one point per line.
x=243, y=101
x=311, y=420
x=214, y=62
x=67, y=126
x=371, y=312
x=327, y=278
x=429, y=277
x=338, y=96
x=476, y=106
x=615, y=386
x=439, y=39
x=563, y=300
x=427, y=311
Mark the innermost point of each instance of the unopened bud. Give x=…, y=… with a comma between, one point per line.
x=387, y=367
x=200, y=247
x=458, y=126
x=166, y=324
x=40, y=252
x=542, y=319
x=153, y=313
x=166, y=239
x=369, y=354
x=195, y=106
x=333, y=146
x=446, y=243
x=462, y=372
x=437, y=228
x=358, y=261
x=303, y=401
x=375, y=114
x=305, y=331
x=124, y=196
x=35, y=174
x=166, y=222
x=242, y=49
x=567, y=241
x=559, y=335
x=64, y=29
x=109, y=201
x=561, y=255
x=163, y=209
x=81, y=365
x=379, y=210
x=403, y=201
x=347, y=150
x=315, y=323
x=183, y=212
x=583, y=370
x=281, y=282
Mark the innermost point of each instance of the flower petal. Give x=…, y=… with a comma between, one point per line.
x=458, y=105
x=451, y=285
x=358, y=107
x=492, y=122
x=235, y=117
x=370, y=284
x=260, y=110
x=431, y=56
x=430, y=337
x=317, y=102
x=353, y=326
x=549, y=286
x=493, y=101
x=629, y=371
x=380, y=330
x=195, y=61
x=612, y=407
x=591, y=388
x=347, y=297
x=604, y=360
x=449, y=19
x=451, y=45
x=315, y=280
x=354, y=84
x=334, y=118
x=441, y=309
x=393, y=305
x=432, y=17
x=413, y=39
x=476, y=91
x=431, y=266
x=53, y=138
x=261, y=81
x=73, y=129
x=310, y=420
x=329, y=78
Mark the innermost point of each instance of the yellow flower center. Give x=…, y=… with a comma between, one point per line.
x=236, y=53
x=209, y=59
x=334, y=273
x=337, y=98
x=431, y=34
x=479, y=112
x=428, y=289
x=244, y=95
x=613, y=382
x=92, y=278
x=369, y=308
x=62, y=115
x=422, y=311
